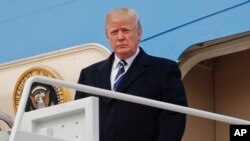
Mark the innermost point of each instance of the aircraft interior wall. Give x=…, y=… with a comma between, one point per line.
x=220, y=85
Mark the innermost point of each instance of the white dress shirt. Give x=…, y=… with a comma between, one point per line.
x=115, y=66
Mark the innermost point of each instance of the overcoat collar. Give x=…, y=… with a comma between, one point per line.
x=137, y=68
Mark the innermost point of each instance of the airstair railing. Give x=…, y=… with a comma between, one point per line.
x=115, y=95
x=7, y=119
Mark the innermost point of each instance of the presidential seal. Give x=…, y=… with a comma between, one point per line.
x=41, y=95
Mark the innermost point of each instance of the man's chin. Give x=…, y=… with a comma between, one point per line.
x=123, y=54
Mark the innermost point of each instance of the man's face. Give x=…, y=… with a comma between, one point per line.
x=123, y=35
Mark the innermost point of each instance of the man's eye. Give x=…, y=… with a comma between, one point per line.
x=113, y=33
x=126, y=31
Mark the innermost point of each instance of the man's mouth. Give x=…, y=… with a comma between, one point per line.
x=122, y=45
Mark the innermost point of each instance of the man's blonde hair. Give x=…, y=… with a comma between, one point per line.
x=124, y=11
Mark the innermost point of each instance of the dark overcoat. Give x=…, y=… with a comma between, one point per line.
x=149, y=77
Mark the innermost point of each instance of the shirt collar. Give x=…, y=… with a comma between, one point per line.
x=129, y=60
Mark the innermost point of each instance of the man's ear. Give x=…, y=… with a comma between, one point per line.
x=107, y=37
x=139, y=34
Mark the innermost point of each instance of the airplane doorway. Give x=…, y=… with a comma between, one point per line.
x=216, y=76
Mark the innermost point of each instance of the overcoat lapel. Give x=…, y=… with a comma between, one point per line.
x=102, y=76
x=137, y=68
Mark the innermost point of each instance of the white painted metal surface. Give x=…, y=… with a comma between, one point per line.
x=26, y=136
x=74, y=121
x=4, y=136
x=116, y=95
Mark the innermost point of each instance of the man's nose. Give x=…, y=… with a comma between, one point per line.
x=120, y=35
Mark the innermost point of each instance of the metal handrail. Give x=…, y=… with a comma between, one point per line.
x=7, y=119
x=115, y=95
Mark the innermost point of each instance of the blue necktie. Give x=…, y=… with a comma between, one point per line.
x=120, y=74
